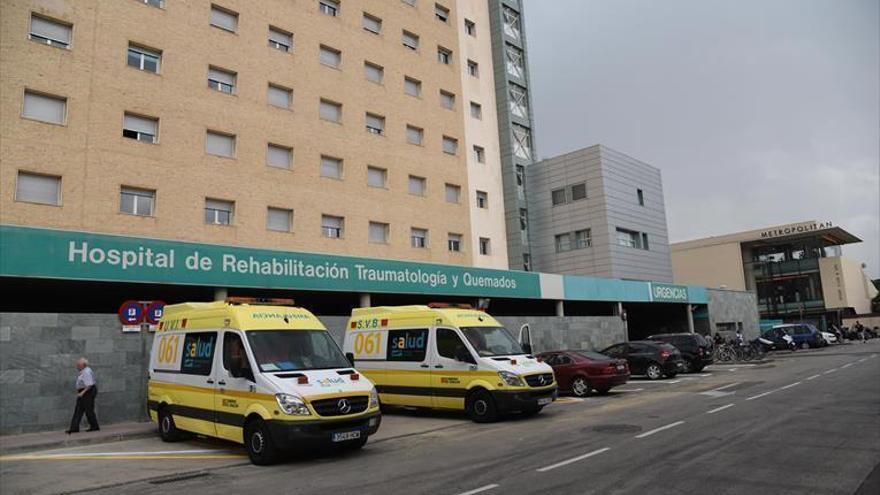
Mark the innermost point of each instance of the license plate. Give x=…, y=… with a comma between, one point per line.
x=346, y=435
x=679, y=364
x=543, y=401
x=620, y=367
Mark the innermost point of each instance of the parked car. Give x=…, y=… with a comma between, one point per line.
x=805, y=335
x=579, y=372
x=776, y=339
x=695, y=350
x=646, y=357
x=828, y=337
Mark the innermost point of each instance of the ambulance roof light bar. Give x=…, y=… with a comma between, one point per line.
x=449, y=305
x=265, y=301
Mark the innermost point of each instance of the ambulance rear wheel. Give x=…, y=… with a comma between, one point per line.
x=481, y=407
x=260, y=448
x=168, y=431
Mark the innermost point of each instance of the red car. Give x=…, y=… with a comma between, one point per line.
x=580, y=371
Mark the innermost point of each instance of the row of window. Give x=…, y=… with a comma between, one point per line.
x=579, y=239
x=568, y=194
x=44, y=189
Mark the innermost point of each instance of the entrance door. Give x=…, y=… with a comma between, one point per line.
x=450, y=369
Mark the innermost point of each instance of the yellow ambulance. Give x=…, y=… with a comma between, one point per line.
x=259, y=372
x=447, y=357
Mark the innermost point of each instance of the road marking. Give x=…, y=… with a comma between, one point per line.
x=789, y=385
x=657, y=430
x=847, y=365
x=480, y=489
x=761, y=395
x=656, y=382
x=573, y=459
x=568, y=400
x=863, y=359
x=812, y=377
x=629, y=390
x=713, y=411
x=116, y=457
x=726, y=386
x=832, y=370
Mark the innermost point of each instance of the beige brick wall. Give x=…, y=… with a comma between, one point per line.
x=94, y=159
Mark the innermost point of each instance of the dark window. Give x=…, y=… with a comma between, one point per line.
x=564, y=360
x=407, y=345
x=641, y=197
x=448, y=342
x=198, y=353
x=234, y=355
x=578, y=191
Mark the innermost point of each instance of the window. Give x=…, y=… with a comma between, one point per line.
x=414, y=135
x=409, y=344
x=410, y=40
x=37, y=188
x=224, y=19
x=470, y=28
x=234, y=357
x=45, y=108
x=418, y=238
x=279, y=156
x=527, y=262
x=144, y=129
x=628, y=238
x=641, y=196
x=450, y=145
x=519, y=101
x=280, y=39
x=563, y=242
x=523, y=220
x=417, y=185
x=479, y=154
x=447, y=99
x=134, y=201
x=221, y=80
x=453, y=193
x=522, y=142
x=558, y=196
x=411, y=3
x=375, y=123
x=520, y=181
x=441, y=13
x=279, y=219
x=412, y=87
x=378, y=233
x=144, y=59
x=330, y=56
x=484, y=246
x=444, y=55
x=449, y=343
x=578, y=191
x=376, y=177
x=373, y=72
x=199, y=362
x=332, y=226
x=473, y=68
x=482, y=199
x=329, y=7
x=582, y=239
x=454, y=242
x=331, y=167
x=644, y=241
x=476, y=110
x=278, y=96
x=514, y=61
x=50, y=32
x=220, y=144
x=155, y=3
x=371, y=23
x=330, y=111
x=218, y=211
x=511, y=22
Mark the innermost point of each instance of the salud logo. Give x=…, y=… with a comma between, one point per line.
x=344, y=406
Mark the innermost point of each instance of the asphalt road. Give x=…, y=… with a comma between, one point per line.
x=809, y=422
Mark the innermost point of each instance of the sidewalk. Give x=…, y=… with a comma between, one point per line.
x=10, y=444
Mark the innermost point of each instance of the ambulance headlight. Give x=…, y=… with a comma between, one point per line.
x=374, y=398
x=511, y=379
x=292, y=405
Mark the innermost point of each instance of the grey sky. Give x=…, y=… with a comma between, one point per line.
x=757, y=112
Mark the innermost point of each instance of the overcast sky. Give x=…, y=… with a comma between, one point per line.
x=757, y=112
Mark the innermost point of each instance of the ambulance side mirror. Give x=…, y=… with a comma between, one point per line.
x=350, y=357
x=527, y=348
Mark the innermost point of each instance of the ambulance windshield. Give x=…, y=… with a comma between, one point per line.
x=293, y=350
x=492, y=341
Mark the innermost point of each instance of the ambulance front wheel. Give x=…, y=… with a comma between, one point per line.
x=258, y=442
x=481, y=407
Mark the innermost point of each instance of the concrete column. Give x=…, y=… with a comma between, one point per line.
x=625, y=322
x=220, y=293
x=365, y=300
x=560, y=308
x=690, y=317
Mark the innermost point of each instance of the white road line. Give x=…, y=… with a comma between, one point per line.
x=789, y=385
x=860, y=360
x=847, y=365
x=629, y=390
x=726, y=386
x=713, y=411
x=812, y=377
x=654, y=382
x=569, y=461
x=657, y=430
x=480, y=489
x=832, y=370
x=761, y=395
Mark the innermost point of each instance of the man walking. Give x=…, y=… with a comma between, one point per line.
x=86, y=390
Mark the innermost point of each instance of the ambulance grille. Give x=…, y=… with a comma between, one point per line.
x=336, y=406
x=540, y=380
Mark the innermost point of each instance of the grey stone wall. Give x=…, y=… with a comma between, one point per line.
x=729, y=306
x=37, y=354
